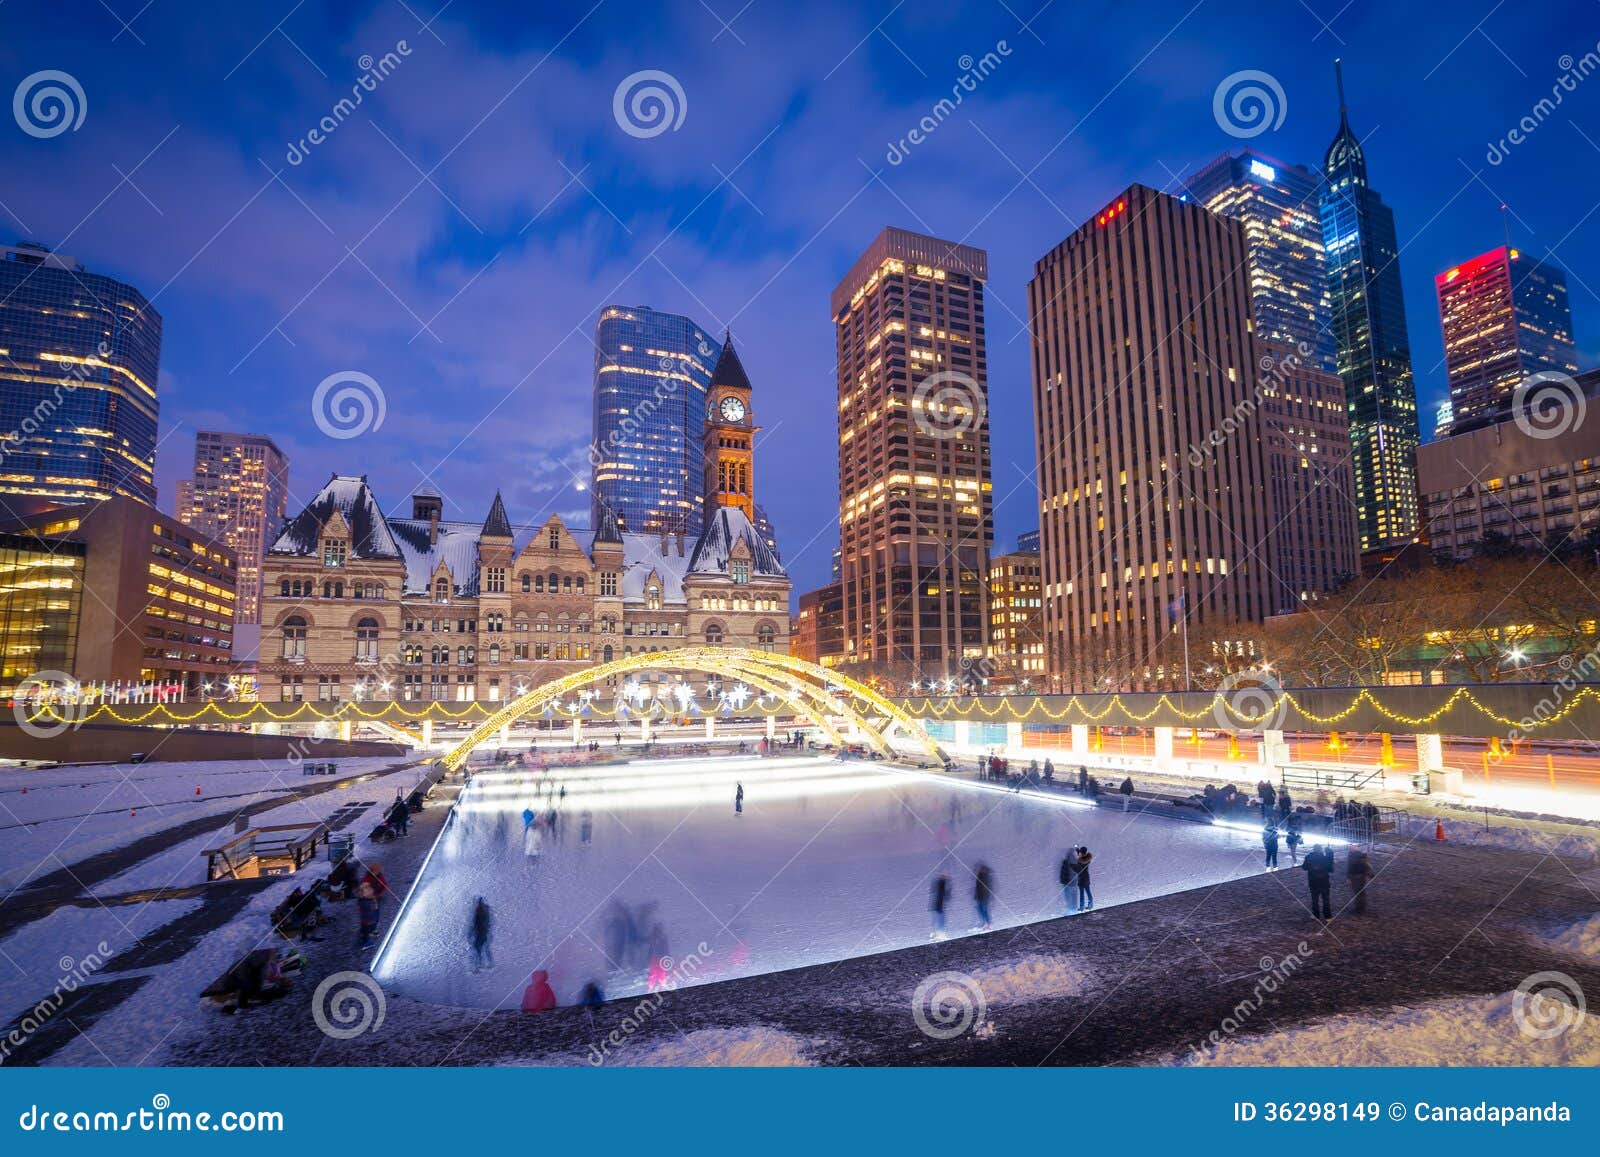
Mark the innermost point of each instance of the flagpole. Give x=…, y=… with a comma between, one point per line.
x=1188, y=683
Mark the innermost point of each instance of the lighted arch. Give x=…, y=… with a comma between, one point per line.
x=813, y=691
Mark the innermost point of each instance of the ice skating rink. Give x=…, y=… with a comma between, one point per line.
x=827, y=861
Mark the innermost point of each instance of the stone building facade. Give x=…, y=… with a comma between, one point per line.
x=360, y=606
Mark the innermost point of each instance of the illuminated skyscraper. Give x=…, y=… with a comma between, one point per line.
x=1279, y=206
x=915, y=503
x=1505, y=316
x=651, y=371
x=1374, y=351
x=238, y=495
x=79, y=356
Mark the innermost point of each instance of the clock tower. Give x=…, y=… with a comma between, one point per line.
x=730, y=431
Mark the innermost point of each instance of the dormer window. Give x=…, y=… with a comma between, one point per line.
x=741, y=570
x=334, y=551
x=441, y=590
x=652, y=596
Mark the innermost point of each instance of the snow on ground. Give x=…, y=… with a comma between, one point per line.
x=50, y=817
x=1475, y=1031
x=1032, y=977
x=38, y=956
x=828, y=861
x=752, y=1046
x=1581, y=939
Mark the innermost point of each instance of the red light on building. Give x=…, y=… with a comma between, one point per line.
x=1111, y=213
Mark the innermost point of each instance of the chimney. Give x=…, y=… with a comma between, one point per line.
x=433, y=527
x=680, y=544
x=665, y=542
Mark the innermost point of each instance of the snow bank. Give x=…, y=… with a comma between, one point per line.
x=753, y=1046
x=1032, y=977
x=1478, y=1031
x=1581, y=939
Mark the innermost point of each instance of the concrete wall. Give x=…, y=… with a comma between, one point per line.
x=97, y=744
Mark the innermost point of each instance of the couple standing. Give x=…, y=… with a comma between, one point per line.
x=1075, y=878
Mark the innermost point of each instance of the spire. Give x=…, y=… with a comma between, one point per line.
x=1345, y=164
x=729, y=370
x=606, y=528
x=497, y=525
x=1338, y=79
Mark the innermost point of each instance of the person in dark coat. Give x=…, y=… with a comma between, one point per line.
x=1269, y=800
x=1285, y=804
x=399, y=816
x=937, y=899
x=481, y=935
x=1083, y=781
x=1085, y=896
x=738, y=799
x=983, y=894
x=1358, y=871
x=1293, y=838
x=1049, y=772
x=1318, y=868
x=1269, y=841
x=1069, y=879
x=1127, y=792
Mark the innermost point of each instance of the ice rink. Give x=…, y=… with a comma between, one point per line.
x=827, y=861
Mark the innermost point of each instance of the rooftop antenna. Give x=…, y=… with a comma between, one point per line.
x=1338, y=79
x=1505, y=217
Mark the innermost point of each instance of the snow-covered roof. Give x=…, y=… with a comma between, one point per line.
x=422, y=547
x=729, y=526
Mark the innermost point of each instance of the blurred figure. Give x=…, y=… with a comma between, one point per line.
x=591, y=998
x=539, y=996
x=738, y=799
x=367, y=911
x=1069, y=879
x=1269, y=841
x=983, y=895
x=1085, y=896
x=482, y=932
x=1318, y=868
x=532, y=840
x=1293, y=839
x=1358, y=871
x=936, y=903
x=586, y=828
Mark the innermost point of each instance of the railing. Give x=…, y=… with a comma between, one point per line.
x=272, y=850
x=1332, y=777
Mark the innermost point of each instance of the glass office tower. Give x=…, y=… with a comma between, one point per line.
x=79, y=355
x=1505, y=316
x=651, y=371
x=1279, y=206
x=1373, y=349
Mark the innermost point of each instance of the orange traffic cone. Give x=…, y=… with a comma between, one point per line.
x=1438, y=830
x=197, y=789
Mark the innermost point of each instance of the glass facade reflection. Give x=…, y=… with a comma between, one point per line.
x=41, y=588
x=79, y=356
x=651, y=370
x=1373, y=348
x=1279, y=206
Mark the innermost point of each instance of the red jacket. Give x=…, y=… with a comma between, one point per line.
x=539, y=996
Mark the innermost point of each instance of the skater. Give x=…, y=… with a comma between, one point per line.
x=982, y=894
x=1069, y=878
x=586, y=828
x=983, y=767
x=533, y=840
x=591, y=998
x=1318, y=868
x=538, y=996
x=1127, y=792
x=1049, y=772
x=1083, y=781
x=1293, y=839
x=1285, y=804
x=367, y=909
x=738, y=799
x=1358, y=871
x=527, y=818
x=398, y=815
x=481, y=933
x=1085, y=896
x=1269, y=799
x=936, y=902
x=378, y=882
x=1269, y=840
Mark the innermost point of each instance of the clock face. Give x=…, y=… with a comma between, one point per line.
x=732, y=409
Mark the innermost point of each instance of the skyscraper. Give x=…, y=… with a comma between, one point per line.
x=1280, y=209
x=238, y=495
x=79, y=357
x=651, y=371
x=1369, y=331
x=1149, y=419
x=915, y=501
x=1505, y=316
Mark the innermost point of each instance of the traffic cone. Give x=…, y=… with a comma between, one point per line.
x=133, y=813
x=1438, y=830
x=197, y=789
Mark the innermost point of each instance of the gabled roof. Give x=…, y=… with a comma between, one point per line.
x=352, y=499
x=497, y=525
x=726, y=528
x=607, y=528
x=729, y=370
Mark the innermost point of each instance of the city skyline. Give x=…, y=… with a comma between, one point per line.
x=242, y=352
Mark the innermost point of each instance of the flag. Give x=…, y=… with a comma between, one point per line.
x=1177, y=607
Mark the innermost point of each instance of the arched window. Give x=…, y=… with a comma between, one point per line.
x=283, y=589
x=538, y=584
x=327, y=590
x=566, y=582
x=653, y=597
x=367, y=639
x=714, y=634
x=439, y=656
x=580, y=584
x=765, y=636
x=494, y=652
x=294, y=637
x=605, y=653
x=527, y=582
x=461, y=656
x=441, y=590
x=554, y=581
